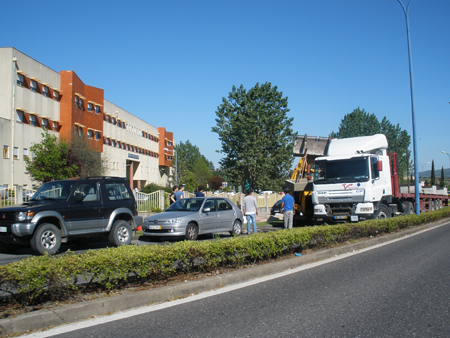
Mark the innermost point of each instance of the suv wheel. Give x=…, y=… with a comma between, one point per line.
x=46, y=239
x=120, y=233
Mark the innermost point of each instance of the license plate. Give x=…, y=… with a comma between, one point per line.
x=154, y=227
x=354, y=218
x=340, y=217
x=3, y=229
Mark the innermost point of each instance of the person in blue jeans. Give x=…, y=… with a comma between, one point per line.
x=288, y=209
x=250, y=210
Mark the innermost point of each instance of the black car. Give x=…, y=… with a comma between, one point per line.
x=71, y=209
x=276, y=209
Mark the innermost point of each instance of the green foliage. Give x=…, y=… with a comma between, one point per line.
x=256, y=136
x=193, y=167
x=52, y=160
x=38, y=279
x=442, y=178
x=433, y=174
x=90, y=161
x=361, y=123
x=152, y=187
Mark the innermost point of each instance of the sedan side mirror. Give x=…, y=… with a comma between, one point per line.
x=206, y=210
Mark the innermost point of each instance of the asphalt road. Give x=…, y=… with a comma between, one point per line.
x=398, y=290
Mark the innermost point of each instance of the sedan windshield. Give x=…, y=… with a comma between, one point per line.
x=186, y=204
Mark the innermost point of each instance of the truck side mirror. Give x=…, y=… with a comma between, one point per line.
x=380, y=166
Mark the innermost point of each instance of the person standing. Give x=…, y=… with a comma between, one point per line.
x=172, y=199
x=179, y=194
x=200, y=193
x=250, y=209
x=288, y=208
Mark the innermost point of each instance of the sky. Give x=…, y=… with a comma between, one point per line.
x=171, y=62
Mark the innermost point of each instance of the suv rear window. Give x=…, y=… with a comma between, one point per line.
x=117, y=191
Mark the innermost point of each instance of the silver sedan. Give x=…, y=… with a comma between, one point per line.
x=190, y=217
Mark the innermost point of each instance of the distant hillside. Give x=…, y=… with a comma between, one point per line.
x=427, y=173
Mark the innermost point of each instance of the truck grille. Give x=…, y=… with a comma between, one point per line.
x=7, y=218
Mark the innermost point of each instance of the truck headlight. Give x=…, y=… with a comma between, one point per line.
x=22, y=216
x=367, y=209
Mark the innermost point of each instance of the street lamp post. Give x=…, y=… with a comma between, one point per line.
x=421, y=165
x=176, y=164
x=448, y=157
x=411, y=83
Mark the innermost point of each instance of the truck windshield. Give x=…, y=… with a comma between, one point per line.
x=53, y=191
x=342, y=171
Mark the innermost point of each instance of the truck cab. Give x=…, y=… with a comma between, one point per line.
x=352, y=182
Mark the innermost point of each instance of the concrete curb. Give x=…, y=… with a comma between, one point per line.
x=71, y=313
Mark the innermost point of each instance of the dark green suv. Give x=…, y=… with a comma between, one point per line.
x=72, y=209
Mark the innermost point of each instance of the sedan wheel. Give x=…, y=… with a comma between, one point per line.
x=191, y=232
x=237, y=228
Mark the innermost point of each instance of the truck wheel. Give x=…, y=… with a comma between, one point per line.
x=431, y=206
x=120, y=233
x=383, y=212
x=46, y=239
x=408, y=208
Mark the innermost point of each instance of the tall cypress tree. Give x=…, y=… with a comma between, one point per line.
x=433, y=174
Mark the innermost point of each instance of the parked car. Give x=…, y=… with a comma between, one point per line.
x=268, y=192
x=190, y=217
x=276, y=209
x=72, y=209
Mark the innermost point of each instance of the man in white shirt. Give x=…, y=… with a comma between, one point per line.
x=250, y=209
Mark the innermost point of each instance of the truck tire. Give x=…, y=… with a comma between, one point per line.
x=408, y=208
x=120, y=233
x=46, y=239
x=383, y=212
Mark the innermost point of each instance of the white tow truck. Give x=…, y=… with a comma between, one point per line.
x=357, y=180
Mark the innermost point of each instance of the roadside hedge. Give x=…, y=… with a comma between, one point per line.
x=38, y=279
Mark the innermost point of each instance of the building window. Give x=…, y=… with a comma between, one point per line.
x=55, y=125
x=75, y=129
x=80, y=102
x=16, y=153
x=44, y=90
x=90, y=107
x=25, y=153
x=20, y=80
x=97, y=135
x=113, y=121
x=19, y=116
x=90, y=134
x=5, y=151
x=33, y=85
x=108, y=142
x=80, y=131
x=33, y=120
x=76, y=100
x=113, y=143
x=56, y=95
x=97, y=109
x=108, y=118
x=45, y=123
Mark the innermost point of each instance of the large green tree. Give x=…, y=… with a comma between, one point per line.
x=51, y=160
x=192, y=168
x=361, y=123
x=433, y=174
x=90, y=160
x=256, y=136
